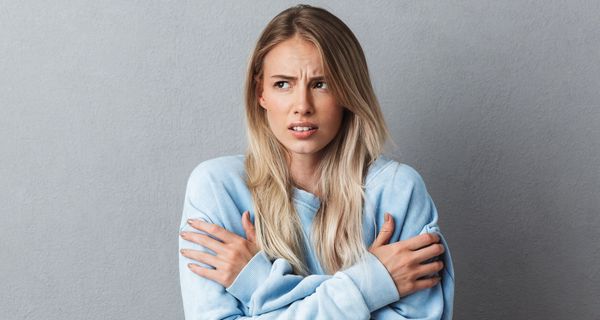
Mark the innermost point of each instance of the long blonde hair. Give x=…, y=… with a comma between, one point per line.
x=337, y=228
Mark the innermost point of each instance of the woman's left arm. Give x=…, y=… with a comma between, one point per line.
x=420, y=216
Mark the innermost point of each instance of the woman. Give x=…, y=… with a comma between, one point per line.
x=318, y=189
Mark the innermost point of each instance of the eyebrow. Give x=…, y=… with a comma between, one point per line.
x=281, y=76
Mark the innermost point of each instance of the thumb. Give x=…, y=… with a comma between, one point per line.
x=385, y=233
x=248, y=227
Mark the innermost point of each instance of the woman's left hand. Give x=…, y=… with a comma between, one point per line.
x=232, y=251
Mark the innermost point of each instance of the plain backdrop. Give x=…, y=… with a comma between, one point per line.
x=107, y=106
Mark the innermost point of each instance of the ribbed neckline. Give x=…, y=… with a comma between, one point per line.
x=306, y=198
x=309, y=199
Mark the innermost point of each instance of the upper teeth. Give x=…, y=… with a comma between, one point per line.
x=302, y=128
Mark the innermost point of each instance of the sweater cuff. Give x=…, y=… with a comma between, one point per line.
x=374, y=282
x=252, y=275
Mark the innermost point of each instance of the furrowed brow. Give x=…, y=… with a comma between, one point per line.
x=281, y=76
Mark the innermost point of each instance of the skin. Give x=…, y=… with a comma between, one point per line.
x=293, y=89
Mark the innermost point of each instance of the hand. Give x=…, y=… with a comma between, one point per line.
x=404, y=259
x=232, y=251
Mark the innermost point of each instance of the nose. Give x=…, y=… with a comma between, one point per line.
x=303, y=102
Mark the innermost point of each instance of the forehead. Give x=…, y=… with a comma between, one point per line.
x=293, y=56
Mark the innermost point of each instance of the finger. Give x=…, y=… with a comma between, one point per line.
x=429, y=252
x=420, y=241
x=248, y=227
x=204, y=272
x=203, y=240
x=214, y=230
x=385, y=233
x=428, y=269
x=426, y=283
x=200, y=256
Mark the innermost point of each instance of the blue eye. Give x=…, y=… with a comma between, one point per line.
x=321, y=85
x=282, y=84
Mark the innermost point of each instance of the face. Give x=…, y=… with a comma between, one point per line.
x=301, y=110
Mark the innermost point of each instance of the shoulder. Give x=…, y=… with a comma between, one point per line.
x=216, y=186
x=225, y=167
x=218, y=174
x=399, y=189
x=386, y=171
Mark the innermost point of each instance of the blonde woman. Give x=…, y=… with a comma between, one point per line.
x=340, y=231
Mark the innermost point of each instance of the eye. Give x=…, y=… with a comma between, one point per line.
x=282, y=84
x=321, y=85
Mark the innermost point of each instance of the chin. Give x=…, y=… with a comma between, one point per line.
x=304, y=150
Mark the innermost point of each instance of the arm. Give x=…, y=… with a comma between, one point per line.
x=279, y=293
x=421, y=217
x=431, y=303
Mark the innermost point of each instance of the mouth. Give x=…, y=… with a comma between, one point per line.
x=302, y=126
x=303, y=130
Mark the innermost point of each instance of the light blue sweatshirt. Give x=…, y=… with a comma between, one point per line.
x=217, y=193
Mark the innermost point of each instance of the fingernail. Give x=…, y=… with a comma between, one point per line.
x=190, y=221
x=387, y=217
x=182, y=234
x=190, y=265
x=182, y=251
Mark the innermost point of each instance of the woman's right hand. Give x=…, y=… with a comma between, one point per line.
x=404, y=259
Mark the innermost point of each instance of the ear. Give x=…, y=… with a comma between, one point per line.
x=261, y=102
x=259, y=94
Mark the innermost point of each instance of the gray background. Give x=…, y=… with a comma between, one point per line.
x=108, y=106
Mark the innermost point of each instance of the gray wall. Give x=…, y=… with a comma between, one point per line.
x=107, y=107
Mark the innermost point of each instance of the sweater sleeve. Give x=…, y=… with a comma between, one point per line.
x=351, y=293
x=419, y=216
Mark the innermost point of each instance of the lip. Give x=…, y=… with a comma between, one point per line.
x=302, y=124
x=303, y=134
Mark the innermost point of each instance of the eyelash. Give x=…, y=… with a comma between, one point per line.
x=279, y=83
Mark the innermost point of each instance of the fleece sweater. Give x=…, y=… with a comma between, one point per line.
x=268, y=289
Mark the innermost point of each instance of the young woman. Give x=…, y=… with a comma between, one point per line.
x=314, y=181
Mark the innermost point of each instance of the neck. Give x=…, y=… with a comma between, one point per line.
x=303, y=169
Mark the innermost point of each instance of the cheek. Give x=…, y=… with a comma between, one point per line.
x=276, y=109
x=339, y=116
x=335, y=116
x=276, y=118
x=272, y=101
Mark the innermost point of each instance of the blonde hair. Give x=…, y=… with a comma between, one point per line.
x=337, y=228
